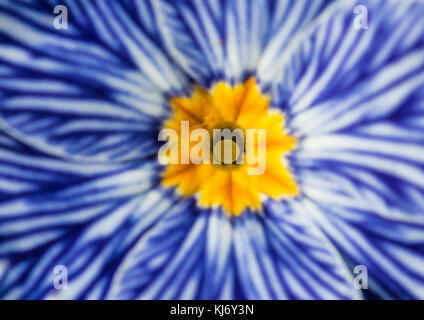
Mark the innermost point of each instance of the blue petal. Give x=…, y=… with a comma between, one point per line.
x=287, y=19
x=96, y=232
x=205, y=255
x=50, y=209
x=91, y=253
x=338, y=74
x=81, y=215
x=284, y=256
x=355, y=100
x=166, y=262
x=75, y=94
x=391, y=250
x=213, y=40
x=363, y=138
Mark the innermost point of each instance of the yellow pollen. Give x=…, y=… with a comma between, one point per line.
x=226, y=182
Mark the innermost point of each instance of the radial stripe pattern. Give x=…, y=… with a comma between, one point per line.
x=80, y=181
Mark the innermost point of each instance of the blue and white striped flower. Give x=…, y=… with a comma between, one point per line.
x=80, y=183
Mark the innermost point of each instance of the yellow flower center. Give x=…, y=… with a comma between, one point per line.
x=228, y=182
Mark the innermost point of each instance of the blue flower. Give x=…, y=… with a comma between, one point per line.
x=80, y=182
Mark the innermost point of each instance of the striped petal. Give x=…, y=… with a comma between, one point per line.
x=391, y=250
x=204, y=255
x=91, y=252
x=363, y=137
x=95, y=91
x=83, y=216
x=229, y=39
x=355, y=100
x=40, y=216
x=284, y=256
x=166, y=262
